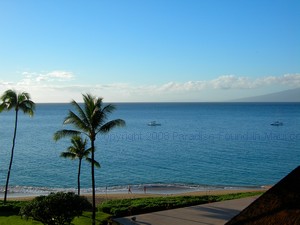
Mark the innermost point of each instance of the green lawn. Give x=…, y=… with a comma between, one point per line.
x=16, y=220
x=126, y=207
x=83, y=220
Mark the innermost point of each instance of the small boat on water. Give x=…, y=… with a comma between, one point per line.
x=277, y=123
x=154, y=123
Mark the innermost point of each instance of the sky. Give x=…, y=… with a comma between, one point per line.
x=149, y=50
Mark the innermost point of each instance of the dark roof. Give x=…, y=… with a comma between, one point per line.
x=279, y=205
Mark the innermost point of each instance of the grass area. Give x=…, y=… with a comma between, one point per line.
x=9, y=212
x=82, y=220
x=9, y=215
x=126, y=207
x=16, y=220
x=101, y=218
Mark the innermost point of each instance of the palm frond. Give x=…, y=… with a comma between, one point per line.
x=97, y=119
x=74, y=119
x=68, y=155
x=2, y=107
x=82, y=114
x=9, y=100
x=23, y=97
x=88, y=104
x=109, y=109
x=100, y=114
x=77, y=149
x=9, y=94
x=27, y=106
x=71, y=149
x=78, y=141
x=111, y=124
x=103, y=113
x=92, y=108
x=85, y=154
x=97, y=164
x=78, y=146
x=65, y=133
x=93, y=111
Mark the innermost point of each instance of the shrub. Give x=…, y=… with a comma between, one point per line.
x=127, y=207
x=11, y=207
x=56, y=208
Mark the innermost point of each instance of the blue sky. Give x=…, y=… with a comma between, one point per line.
x=149, y=50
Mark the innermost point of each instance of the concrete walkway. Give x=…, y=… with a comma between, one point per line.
x=208, y=214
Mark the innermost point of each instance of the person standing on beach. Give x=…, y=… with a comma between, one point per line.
x=145, y=189
x=129, y=190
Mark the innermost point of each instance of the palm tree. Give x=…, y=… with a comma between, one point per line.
x=17, y=101
x=78, y=150
x=90, y=120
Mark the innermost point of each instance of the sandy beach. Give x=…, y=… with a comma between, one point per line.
x=102, y=197
x=105, y=197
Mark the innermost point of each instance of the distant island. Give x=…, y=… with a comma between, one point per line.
x=292, y=95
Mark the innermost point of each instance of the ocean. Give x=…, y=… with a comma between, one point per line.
x=199, y=146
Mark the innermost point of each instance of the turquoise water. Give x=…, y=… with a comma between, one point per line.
x=198, y=145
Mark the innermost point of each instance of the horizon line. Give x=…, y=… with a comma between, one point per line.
x=169, y=102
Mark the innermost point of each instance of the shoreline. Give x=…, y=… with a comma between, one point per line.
x=102, y=197
x=105, y=197
x=154, y=188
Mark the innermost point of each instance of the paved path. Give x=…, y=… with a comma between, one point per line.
x=207, y=214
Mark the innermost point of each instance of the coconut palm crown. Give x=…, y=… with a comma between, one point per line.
x=90, y=120
x=17, y=101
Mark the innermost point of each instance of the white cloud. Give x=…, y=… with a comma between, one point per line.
x=56, y=86
x=291, y=79
x=5, y=83
x=60, y=74
x=233, y=82
x=53, y=76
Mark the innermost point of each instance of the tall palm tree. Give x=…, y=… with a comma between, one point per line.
x=90, y=120
x=17, y=101
x=78, y=151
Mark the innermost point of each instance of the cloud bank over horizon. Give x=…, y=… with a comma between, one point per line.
x=62, y=86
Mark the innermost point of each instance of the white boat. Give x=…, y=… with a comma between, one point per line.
x=154, y=123
x=277, y=123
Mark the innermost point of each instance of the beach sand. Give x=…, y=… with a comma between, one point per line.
x=105, y=197
x=102, y=197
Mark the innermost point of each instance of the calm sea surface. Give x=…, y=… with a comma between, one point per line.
x=198, y=145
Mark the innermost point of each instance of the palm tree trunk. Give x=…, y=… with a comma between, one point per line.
x=11, y=157
x=93, y=183
x=78, y=178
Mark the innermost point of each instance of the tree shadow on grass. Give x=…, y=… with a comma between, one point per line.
x=7, y=214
